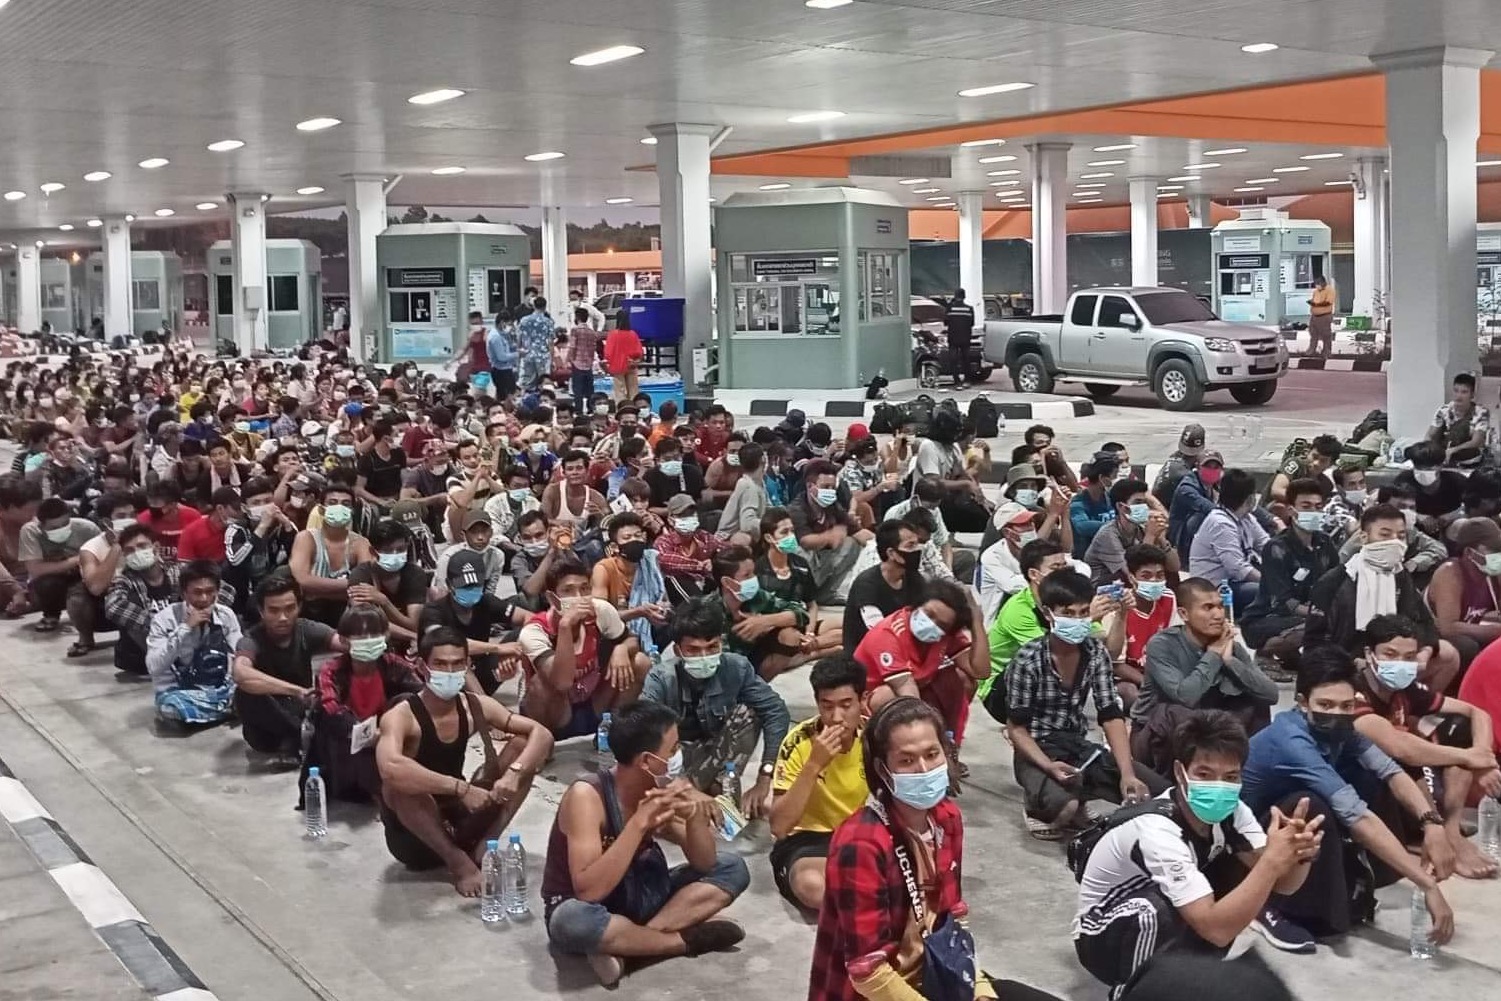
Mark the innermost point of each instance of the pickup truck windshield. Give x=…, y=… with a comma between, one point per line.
x=1173, y=307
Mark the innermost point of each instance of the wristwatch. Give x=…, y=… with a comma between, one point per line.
x=767, y=768
x=1432, y=817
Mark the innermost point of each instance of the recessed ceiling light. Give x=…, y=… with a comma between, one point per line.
x=1321, y=156
x=311, y=189
x=1257, y=48
x=1200, y=166
x=66, y=227
x=225, y=145
x=826, y=4
x=1104, y=163
x=163, y=213
x=1002, y=173
x=317, y=124
x=618, y=201
x=983, y=142
x=1090, y=177
x=97, y=175
x=1488, y=163
x=1335, y=184
x=207, y=206
x=1003, y=158
x=924, y=191
x=1225, y=152
x=940, y=198
x=649, y=141
x=435, y=96
x=153, y=163
x=1248, y=190
x=447, y=171
x=1289, y=170
x=1095, y=184
x=808, y=117
x=999, y=88
x=1264, y=180
x=94, y=223
x=129, y=217
x=14, y=196
x=1114, y=149
x=551, y=154
x=1169, y=187
x=614, y=53
x=777, y=186
x=913, y=180
x=52, y=186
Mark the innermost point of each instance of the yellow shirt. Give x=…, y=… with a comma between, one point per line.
x=1323, y=300
x=841, y=790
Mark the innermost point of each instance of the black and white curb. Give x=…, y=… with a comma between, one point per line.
x=864, y=410
x=153, y=964
x=1370, y=364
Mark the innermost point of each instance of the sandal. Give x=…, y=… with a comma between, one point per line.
x=48, y=625
x=80, y=649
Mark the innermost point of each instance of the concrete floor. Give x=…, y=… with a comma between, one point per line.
x=210, y=851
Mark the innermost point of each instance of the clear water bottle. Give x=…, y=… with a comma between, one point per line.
x=1489, y=838
x=1418, y=942
x=602, y=739
x=729, y=783
x=513, y=878
x=315, y=806
x=491, y=906
x=1227, y=598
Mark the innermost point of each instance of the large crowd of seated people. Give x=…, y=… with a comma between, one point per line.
x=366, y=566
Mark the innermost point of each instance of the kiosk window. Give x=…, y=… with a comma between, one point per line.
x=789, y=293
x=880, y=283
x=146, y=294
x=283, y=294
x=411, y=307
x=55, y=295
x=1082, y=313
x=224, y=294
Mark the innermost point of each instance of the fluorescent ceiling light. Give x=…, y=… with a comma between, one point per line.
x=826, y=4
x=1004, y=184
x=207, y=206
x=317, y=124
x=1200, y=166
x=983, y=142
x=163, y=213
x=311, y=189
x=1246, y=190
x=551, y=154
x=614, y=53
x=649, y=141
x=66, y=227
x=1257, y=48
x=1169, y=187
x=1321, y=156
x=447, y=171
x=435, y=96
x=1335, y=184
x=1088, y=201
x=1095, y=184
x=225, y=145
x=1091, y=177
x=778, y=186
x=14, y=196
x=1167, y=194
x=940, y=198
x=808, y=117
x=94, y=223
x=97, y=175
x=913, y=180
x=924, y=191
x=1003, y=158
x=1225, y=152
x=1289, y=170
x=1085, y=194
x=1264, y=180
x=1002, y=173
x=618, y=201
x=999, y=88
x=154, y=163
x=1114, y=149
x=1104, y=163
x=1186, y=177
x=1488, y=163
x=52, y=186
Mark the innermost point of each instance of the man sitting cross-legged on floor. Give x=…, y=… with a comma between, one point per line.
x=432, y=816
x=607, y=891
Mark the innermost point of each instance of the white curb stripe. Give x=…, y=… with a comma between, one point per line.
x=16, y=804
x=95, y=895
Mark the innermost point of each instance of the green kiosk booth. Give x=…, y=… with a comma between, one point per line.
x=294, y=292
x=434, y=274
x=156, y=293
x=812, y=289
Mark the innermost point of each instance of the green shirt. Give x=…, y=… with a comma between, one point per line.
x=1016, y=625
x=764, y=603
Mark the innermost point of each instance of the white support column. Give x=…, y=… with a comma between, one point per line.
x=555, y=260
x=687, y=257
x=28, y=288
x=1049, y=226
x=1370, y=233
x=247, y=235
x=1200, y=211
x=1144, y=232
x=365, y=210
x=119, y=315
x=1432, y=127
x=972, y=250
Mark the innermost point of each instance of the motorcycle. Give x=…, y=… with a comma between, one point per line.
x=930, y=361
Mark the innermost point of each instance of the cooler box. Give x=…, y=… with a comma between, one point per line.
x=661, y=388
x=656, y=321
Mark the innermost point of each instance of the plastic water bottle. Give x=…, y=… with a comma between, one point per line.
x=315, y=806
x=1227, y=598
x=513, y=878
x=602, y=738
x=1489, y=837
x=1418, y=942
x=729, y=783
x=491, y=906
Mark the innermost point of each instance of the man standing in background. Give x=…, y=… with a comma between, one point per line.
x=1321, y=318
x=959, y=325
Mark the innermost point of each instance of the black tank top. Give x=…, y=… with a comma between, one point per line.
x=432, y=753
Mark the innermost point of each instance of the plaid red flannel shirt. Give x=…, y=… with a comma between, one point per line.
x=865, y=904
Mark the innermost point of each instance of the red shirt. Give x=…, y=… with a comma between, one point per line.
x=865, y=902
x=1482, y=686
x=1142, y=627
x=168, y=530
x=415, y=440
x=367, y=694
x=890, y=649
x=201, y=540
x=622, y=349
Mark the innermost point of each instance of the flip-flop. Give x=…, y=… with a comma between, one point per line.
x=80, y=649
x=48, y=625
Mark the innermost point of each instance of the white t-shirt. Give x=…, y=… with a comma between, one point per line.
x=1153, y=849
x=98, y=547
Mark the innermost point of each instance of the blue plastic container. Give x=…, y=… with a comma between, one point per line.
x=656, y=321
x=659, y=387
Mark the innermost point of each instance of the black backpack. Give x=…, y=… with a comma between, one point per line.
x=918, y=413
x=1083, y=843
x=986, y=417
x=885, y=418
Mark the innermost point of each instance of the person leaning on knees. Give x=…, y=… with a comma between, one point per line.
x=1291, y=564
x=188, y=651
x=1227, y=547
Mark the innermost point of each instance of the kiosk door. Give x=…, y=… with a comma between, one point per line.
x=504, y=285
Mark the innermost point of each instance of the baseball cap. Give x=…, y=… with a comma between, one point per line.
x=856, y=432
x=408, y=512
x=475, y=516
x=1011, y=513
x=1212, y=456
x=795, y=417
x=311, y=429
x=679, y=504
x=466, y=569
x=1191, y=441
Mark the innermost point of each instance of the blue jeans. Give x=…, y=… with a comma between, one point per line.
x=581, y=387
x=576, y=927
x=1245, y=592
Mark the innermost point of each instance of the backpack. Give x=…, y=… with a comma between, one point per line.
x=986, y=417
x=1373, y=421
x=918, y=413
x=1083, y=843
x=1295, y=458
x=885, y=419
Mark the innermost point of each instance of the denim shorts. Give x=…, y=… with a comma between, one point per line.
x=576, y=927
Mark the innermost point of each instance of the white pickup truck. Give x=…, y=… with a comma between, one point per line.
x=1159, y=337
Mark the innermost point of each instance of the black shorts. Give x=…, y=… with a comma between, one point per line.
x=792, y=848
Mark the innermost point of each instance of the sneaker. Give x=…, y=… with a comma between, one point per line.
x=1273, y=669
x=1281, y=933
x=712, y=936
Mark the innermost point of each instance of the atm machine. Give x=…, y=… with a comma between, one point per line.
x=1265, y=265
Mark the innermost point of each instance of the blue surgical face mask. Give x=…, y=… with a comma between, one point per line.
x=468, y=597
x=672, y=467
x=702, y=668
x=826, y=496
x=921, y=790
x=1396, y=674
x=1070, y=630
x=1151, y=590
x=367, y=648
x=338, y=515
x=1311, y=521
x=687, y=525
x=344, y=451
x=446, y=684
x=748, y=589
x=391, y=562
x=1139, y=513
x=924, y=629
x=1026, y=497
x=520, y=495
x=1212, y=802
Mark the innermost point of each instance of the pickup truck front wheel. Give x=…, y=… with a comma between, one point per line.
x=1030, y=375
x=1254, y=394
x=1176, y=386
